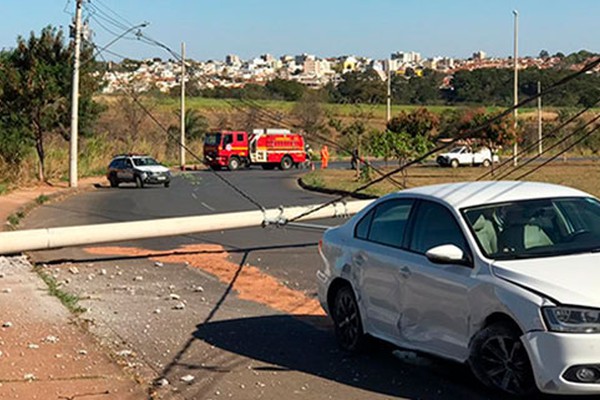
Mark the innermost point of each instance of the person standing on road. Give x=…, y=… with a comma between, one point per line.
x=324, y=156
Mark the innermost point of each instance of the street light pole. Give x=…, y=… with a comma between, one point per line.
x=539, y=92
x=182, y=135
x=75, y=101
x=516, y=84
x=389, y=90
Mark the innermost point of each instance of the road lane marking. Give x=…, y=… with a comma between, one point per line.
x=207, y=206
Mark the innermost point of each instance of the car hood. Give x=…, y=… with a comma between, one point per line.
x=152, y=168
x=570, y=280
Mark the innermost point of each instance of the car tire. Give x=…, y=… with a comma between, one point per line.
x=486, y=163
x=454, y=163
x=167, y=184
x=233, y=163
x=347, y=321
x=500, y=361
x=286, y=163
x=113, y=181
x=139, y=183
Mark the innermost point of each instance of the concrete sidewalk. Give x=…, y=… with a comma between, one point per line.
x=43, y=353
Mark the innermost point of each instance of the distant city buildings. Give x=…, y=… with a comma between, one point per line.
x=308, y=69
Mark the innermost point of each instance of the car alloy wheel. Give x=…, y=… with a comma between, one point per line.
x=499, y=360
x=454, y=163
x=486, y=163
x=346, y=316
x=139, y=182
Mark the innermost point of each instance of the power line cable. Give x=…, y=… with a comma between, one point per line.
x=469, y=133
x=526, y=174
x=558, y=143
x=193, y=154
x=534, y=145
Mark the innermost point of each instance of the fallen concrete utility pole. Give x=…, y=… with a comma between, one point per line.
x=52, y=238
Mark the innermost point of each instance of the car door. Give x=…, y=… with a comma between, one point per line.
x=377, y=255
x=127, y=170
x=436, y=309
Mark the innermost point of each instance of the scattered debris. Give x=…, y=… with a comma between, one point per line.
x=138, y=278
x=82, y=352
x=7, y=324
x=50, y=339
x=7, y=290
x=161, y=382
x=33, y=346
x=159, y=264
x=179, y=306
x=74, y=270
x=198, y=289
x=174, y=296
x=187, y=378
x=124, y=353
x=29, y=377
x=157, y=311
x=103, y=271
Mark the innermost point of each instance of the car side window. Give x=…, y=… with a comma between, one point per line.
x=435, y=226
x=361, y=231
x=389, y=222
x=227, y=139
x=128, y=164
x=240, y=137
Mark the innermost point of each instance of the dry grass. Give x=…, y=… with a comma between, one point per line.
x=581, y=175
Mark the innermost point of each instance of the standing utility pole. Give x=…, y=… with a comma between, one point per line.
x=389, y=91
x=75, y=100
x=539, y=90
x=182, y=137
x=516, y=84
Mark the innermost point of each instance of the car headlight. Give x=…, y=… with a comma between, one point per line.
x=570, y=319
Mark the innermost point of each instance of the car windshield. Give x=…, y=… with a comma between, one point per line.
x=536, y=228
x=144, y=161
x=456, y=150
x=212, y=139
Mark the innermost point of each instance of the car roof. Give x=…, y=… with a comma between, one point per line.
x=469, y=194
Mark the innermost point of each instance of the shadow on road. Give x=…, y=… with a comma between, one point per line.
x=307, y=344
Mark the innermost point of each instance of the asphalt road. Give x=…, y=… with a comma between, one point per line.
x=218, y=316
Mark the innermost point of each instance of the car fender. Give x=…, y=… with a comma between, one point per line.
x=497, y=296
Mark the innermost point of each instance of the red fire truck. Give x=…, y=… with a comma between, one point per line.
x=268, y=148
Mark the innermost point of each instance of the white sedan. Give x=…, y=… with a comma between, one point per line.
x=504, y=276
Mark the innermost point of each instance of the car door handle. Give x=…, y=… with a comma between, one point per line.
x=405, y=272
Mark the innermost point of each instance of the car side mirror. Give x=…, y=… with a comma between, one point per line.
x=448, y=254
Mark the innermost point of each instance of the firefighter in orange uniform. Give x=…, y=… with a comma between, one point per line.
x=324, y=156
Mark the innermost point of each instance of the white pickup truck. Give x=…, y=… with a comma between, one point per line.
x=464, y=155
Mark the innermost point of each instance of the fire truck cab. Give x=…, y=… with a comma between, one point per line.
x=269, y=148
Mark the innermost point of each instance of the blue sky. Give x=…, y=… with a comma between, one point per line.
x=374, y=28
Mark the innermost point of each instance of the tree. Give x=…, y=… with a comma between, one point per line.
x=196, y=125
x=360, y=87
x=352, y=133
x=286, y=90
x=35, y=90
x=309, y=114
x=544, y=54
x=496, y=135
x=418, y=122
